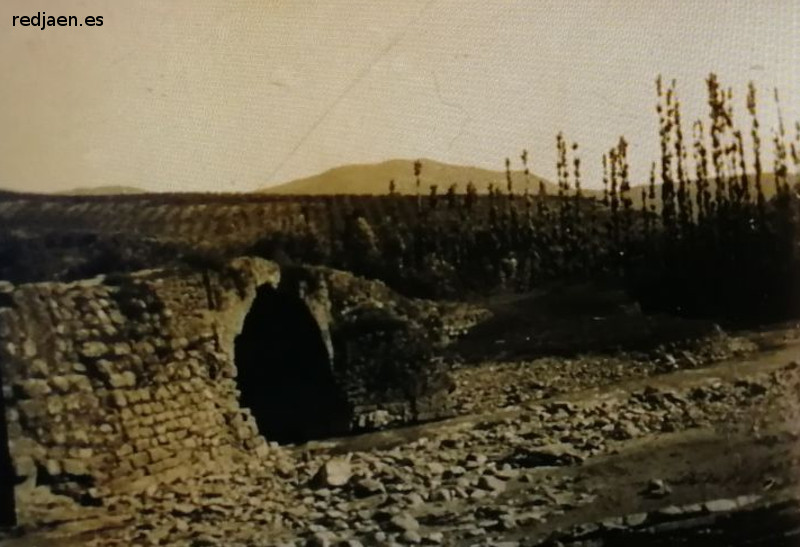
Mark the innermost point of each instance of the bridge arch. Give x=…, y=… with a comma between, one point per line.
x=284, y=372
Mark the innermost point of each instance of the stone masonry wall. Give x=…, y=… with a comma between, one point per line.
x=113, y=384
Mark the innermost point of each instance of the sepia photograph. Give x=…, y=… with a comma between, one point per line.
x=355, y=273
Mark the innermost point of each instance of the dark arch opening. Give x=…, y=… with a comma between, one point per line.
x=284, y=372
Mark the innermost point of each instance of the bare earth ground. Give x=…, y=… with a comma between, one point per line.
x=699, y=447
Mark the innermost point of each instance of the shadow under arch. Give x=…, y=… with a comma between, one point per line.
x=284, y=373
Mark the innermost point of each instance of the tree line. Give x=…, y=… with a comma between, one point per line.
x=713, y=233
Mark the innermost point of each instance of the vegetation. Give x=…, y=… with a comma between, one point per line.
x=702, y=239
x=714, y=233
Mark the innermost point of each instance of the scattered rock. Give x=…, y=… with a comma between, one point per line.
x=635, y=519
x=544, y=456
x=434, y=538
x=487, y=482
x=720, y=506
x=404, y=522
x=626, y=430
x=333, y=473
x=671, y=511
x=657, y=488
x=319, y=539
x=368, y=487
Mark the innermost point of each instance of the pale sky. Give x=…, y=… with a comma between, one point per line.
x=232, y=95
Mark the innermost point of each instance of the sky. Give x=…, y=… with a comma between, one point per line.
x=234, y=95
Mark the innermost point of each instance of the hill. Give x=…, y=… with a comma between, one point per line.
x=373, y=179
x=101, y=191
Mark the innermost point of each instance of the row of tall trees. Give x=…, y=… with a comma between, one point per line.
x=713, y=233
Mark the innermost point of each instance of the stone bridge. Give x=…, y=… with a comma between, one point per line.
x=123, y=382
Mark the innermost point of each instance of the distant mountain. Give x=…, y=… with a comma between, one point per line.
x=101, y=191
x=372, y=179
